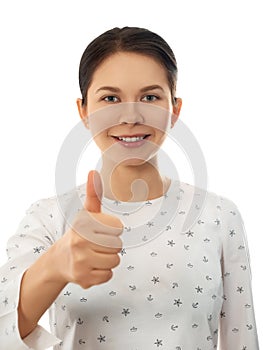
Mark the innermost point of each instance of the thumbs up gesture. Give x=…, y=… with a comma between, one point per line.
x=89, y=250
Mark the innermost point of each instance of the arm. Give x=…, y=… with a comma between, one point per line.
x=237, y=324
x=35, y=235
x=39, y=289
x=45, y=263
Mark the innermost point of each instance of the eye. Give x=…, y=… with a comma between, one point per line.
x=151, y=98
x=110, y=98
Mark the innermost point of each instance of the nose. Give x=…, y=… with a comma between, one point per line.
x=130, y=113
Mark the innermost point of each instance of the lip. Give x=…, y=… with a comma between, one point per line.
x=134, y=135
x=131, y=144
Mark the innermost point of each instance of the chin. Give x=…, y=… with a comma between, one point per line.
x=133, y=162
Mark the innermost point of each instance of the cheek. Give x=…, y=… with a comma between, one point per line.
x=160, y=136
x=102, y=140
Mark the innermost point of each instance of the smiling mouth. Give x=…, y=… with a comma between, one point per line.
x=131, y=138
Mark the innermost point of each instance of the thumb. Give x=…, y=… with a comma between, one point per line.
x=93, y=192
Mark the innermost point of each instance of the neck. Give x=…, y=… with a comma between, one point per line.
x=133, y=182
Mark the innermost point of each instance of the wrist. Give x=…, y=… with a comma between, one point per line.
x=49, y=265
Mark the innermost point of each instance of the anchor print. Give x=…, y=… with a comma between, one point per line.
x=174, y=327
x=105, y=319
x=79, y=321
x=232, y=233
x=132, y=288
x=195, y=305
x=153, y=254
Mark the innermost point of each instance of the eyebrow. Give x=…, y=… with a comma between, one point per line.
x=116, y=89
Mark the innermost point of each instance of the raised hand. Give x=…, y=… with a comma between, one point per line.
x=88, y=251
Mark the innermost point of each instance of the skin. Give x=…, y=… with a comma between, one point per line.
x=78, y=255
x=130, y=72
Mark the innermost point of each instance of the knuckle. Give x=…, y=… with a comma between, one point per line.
x=108, y=275
x=85, y=284
x=116, y=260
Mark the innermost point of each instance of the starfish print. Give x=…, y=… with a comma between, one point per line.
x=38, y=249
x=150, y=223
x=101, y=338
x=125, y=312
x=240, y=289
x=155, y=280
x=199, y=289
x=158, y=343
x=222, y=314
x=177, y=302
x=171, y=243
x=190, y=233
x=123, y=251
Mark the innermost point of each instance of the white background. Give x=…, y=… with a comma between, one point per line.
x=218, y=45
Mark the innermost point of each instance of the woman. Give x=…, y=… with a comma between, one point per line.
x=122, y=273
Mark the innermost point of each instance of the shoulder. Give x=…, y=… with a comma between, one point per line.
x=208, y=203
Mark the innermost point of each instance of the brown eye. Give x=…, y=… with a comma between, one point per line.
x=109, y=98
x=151, y=98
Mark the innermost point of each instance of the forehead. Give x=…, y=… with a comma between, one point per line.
x=129, y=67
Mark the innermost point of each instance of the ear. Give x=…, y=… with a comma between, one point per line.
x=176, y=111
x=82, y=112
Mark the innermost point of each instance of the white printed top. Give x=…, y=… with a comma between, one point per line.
x=177, y=287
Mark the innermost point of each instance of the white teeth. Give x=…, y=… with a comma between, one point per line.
x=131, y=139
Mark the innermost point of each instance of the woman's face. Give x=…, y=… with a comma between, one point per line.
x=122, y=78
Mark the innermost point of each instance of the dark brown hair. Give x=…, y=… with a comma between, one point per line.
x=126, y=39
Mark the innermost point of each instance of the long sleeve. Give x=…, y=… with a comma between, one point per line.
x=35, y=233
x=237, y=322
